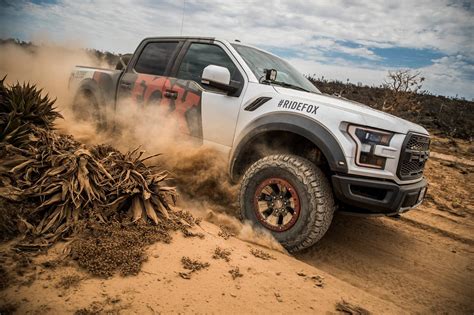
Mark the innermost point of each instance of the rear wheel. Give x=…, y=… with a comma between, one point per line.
x=290, y=197
x=86, y=108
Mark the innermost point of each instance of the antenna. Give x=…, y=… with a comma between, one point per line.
x=182, y=17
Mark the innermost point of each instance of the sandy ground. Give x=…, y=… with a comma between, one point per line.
x=422, y=262
x=266, y=286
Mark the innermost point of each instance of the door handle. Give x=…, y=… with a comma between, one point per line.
x=171, y=94
x=126, y=85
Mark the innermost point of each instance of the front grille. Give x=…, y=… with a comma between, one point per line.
x=415, y=153
x=418, y=143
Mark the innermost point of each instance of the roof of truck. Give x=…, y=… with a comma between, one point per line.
x=236, y=41
x=181, y=37
x=194, y=37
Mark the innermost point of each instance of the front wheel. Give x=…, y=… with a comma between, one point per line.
x=290, y=197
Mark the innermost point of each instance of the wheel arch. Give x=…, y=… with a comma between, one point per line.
x=308, y=133
x=91, y=90
x=89, y=86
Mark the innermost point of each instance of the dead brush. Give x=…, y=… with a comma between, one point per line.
x=225, y=233
x=69, y=281
x=104, y=249
x=221, y=253
x=345, y=307
x=69, y=184
x=23, y=106
x=193, y=265
x=261, y=254
x=235, y=273
x=69, y=181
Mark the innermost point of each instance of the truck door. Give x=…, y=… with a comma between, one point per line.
x=143, y=81
x=206, y=114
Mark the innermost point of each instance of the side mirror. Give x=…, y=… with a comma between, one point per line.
x=219, y=77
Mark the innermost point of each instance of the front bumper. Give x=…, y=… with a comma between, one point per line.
x=372, y=196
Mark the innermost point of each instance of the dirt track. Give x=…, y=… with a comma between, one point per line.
x=422, y=262
x=278, y=285
x=415, y=269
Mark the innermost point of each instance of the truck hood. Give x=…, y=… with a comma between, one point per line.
x=367, y=116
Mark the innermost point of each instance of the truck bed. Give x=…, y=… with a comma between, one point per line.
x=101, y=80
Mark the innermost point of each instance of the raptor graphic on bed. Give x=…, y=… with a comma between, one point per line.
x=182, y=104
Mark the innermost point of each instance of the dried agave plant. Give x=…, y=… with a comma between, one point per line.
x=140, y=184
x=70, y=181
x=21, y=107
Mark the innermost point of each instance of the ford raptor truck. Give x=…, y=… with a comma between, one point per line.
x=298, y=154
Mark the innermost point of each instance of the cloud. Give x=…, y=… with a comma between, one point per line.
x=331, y=46
x=451, y=76
x=342, y=71
x=329, y=34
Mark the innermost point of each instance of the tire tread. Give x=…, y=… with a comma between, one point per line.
x=321, y=205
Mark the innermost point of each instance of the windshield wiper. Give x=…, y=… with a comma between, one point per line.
x=284, y=84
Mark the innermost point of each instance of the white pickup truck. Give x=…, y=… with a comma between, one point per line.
x=298, y=154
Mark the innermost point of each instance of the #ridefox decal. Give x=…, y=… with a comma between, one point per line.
x=299, y=106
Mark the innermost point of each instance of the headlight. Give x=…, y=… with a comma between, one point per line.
x=367, y=140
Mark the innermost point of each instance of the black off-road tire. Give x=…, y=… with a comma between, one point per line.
x=86, y=107
x=313, y=188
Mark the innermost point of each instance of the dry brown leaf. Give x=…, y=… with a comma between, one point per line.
x=150, y=211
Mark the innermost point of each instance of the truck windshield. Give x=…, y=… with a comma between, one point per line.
x=287, y=76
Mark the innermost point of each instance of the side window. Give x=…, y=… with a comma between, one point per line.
x=155, y=58
x=200, y=56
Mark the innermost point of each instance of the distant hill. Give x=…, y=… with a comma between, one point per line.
x=451, y=117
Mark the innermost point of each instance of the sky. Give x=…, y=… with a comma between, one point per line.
x=356, y=40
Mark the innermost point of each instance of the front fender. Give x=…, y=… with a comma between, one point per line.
x=312, y=130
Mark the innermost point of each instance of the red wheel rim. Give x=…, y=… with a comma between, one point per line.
x=277, y=204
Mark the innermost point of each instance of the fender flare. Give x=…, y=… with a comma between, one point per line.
x=312, y=130
x=91, y=86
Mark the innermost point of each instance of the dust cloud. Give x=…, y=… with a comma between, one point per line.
x=199, y=172
x=47, y=66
